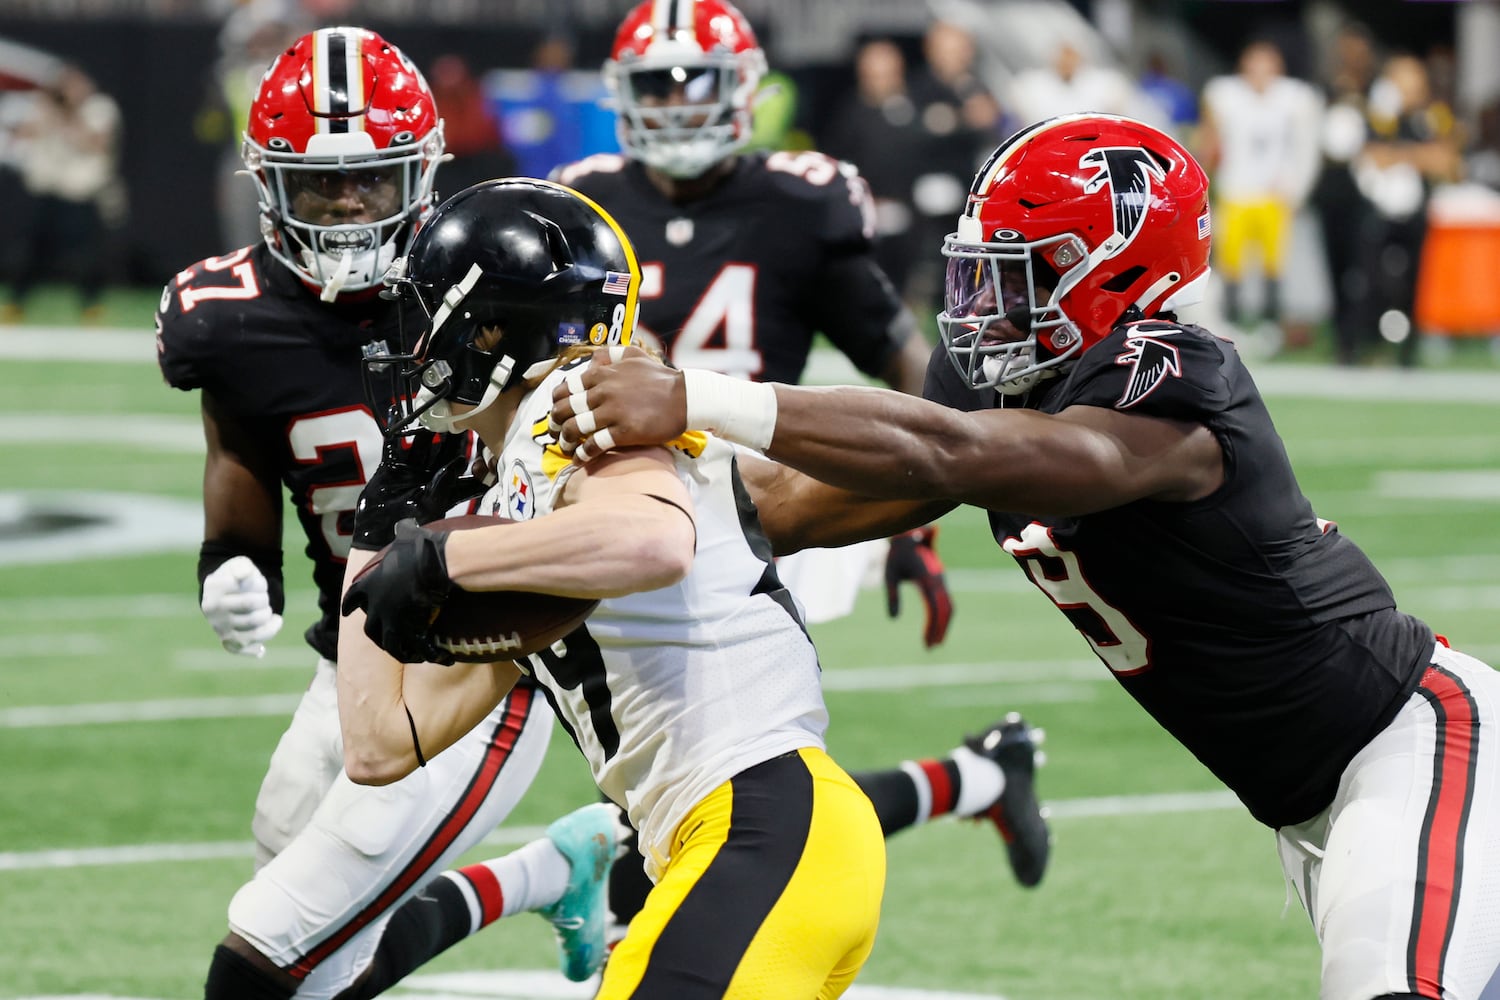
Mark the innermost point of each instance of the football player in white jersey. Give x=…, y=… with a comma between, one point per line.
x=693, y=690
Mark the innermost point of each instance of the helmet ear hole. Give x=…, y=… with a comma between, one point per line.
x=1121, y=282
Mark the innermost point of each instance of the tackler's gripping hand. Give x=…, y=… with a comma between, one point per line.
x=402, y=594
x=237, y=603
x=421, y=481
x=623, y=397
x=913, y=556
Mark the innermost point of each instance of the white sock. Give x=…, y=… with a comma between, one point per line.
x=980, y=782
x=528, y=878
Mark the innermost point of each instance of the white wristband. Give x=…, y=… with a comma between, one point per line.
x=735, y=409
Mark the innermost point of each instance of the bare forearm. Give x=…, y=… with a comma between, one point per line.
x=872, y=442
x=382, y=742
x=636, y=544
x=799, y=512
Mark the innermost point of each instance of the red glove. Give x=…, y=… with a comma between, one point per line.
x=913, y=557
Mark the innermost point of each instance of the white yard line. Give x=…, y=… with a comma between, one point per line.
x=897, y=677
x=135, y=854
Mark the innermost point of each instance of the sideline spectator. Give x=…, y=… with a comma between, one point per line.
x=69, y=168
x=876, y=128
x=961, y=121
x=1340, y=205
x=1259, y=137
x=1071, y=84
x=1414, y=144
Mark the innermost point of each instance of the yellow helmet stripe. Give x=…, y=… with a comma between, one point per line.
x=632, y=295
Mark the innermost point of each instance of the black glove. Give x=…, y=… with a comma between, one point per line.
x=422, y=482
x=403, y=594
x=913, y=557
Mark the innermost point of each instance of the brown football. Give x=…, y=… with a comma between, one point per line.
x=480, y=626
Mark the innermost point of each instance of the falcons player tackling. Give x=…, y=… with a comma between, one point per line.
x=1131, y=469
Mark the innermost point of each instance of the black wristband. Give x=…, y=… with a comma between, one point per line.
x=214, y=554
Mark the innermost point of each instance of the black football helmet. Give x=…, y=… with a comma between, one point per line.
x=536, y=261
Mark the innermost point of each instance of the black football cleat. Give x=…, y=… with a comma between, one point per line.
x=1017, y=814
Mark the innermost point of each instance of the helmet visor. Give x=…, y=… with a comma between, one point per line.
x=685, y=85
x=341, y=197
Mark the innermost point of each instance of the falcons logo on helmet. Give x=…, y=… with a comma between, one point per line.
x=1151, y=360
x=1128, y=171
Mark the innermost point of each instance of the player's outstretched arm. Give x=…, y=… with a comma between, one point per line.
x=394, y=717
x=883, y=444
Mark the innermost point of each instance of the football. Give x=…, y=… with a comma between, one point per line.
x=484, y=626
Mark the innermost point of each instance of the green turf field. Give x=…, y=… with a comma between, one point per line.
x=131, y=746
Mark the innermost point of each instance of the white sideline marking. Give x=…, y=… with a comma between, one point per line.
x=134, y=854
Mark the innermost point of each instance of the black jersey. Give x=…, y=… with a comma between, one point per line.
x=739, y=281
x=286, y=366
x=1259, y=636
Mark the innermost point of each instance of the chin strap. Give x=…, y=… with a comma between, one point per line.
x=335, y=284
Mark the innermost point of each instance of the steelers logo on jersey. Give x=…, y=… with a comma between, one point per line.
x=519, y=496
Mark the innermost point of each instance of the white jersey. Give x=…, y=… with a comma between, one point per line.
x=669, y=693
x=1269, y=140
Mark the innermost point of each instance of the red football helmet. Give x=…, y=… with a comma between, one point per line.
x=683, y=76
x=1071, y=224
x=342, y=142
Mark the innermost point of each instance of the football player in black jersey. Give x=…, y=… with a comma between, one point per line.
x=343, y=141
x=1129, y=465
x=745, y=257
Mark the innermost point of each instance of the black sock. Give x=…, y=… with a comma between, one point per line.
x=232, y=976
x=427, y=925
x=628, y=883
x=897, y=799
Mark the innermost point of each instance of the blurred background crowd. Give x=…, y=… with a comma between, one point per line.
x=1354, y=144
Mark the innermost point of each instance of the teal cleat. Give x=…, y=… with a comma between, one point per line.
x=588, y=838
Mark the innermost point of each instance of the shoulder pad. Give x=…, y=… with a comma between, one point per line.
x=600, y=163
x=844, y=208
x=1153, y=368
x=185, y=314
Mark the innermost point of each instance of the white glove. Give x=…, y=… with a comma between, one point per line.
x=237, y=603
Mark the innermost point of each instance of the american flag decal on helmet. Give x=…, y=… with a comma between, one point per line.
x=616, y=283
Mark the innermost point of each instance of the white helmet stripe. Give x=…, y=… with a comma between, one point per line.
x=354, y=82
x=1008, y=148
x=338, y=83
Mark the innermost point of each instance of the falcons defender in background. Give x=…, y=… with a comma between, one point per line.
x=343, y=142
x=745, y=256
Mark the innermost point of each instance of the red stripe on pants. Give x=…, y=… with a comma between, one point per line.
x=502, y=743
x=1440, y=866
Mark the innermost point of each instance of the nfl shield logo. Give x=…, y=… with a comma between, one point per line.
x=680, y=232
